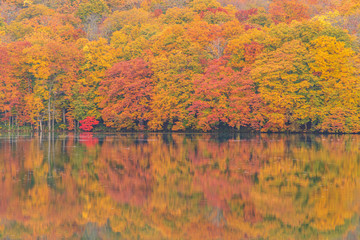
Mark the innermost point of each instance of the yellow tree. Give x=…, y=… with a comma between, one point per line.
x=338, y=84
x=98, y=57
x=284, y=83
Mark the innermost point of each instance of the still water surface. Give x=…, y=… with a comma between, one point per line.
x=180, y=186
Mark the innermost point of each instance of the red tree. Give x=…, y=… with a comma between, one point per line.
x=223, y=95
x=87, y=123
x=127, y=94
x=244, y=15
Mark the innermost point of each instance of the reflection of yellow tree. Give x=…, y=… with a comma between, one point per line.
x=122, y=186
x=300, y=185
x=33, y=204
x=332, y=207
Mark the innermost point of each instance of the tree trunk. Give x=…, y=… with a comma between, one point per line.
x=53, y=117
x=49, y=114
x=63, y=115
x=5, y=117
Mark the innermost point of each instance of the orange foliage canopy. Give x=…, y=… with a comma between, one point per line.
x=288, y=10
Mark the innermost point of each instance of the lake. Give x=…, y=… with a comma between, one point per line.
x=180, y=186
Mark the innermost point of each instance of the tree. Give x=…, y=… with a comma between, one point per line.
x=288, y=10
x=84, y=99
x=286, y=86
x=52, y=66
x=335, y=68
x=87, y=123
x=173, y=62
x=126, y=94
x=244, y=15
x=91, y=12
x=223, y=96
x=9, y=87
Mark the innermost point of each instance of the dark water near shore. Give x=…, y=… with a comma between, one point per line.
x=180, y=186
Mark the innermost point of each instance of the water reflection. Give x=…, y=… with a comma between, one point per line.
x=180, y=186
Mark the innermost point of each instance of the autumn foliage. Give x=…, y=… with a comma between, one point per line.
x=88, y=123
x=281, y=65
x=244, y=15
x=127, y=94
x=288, y=10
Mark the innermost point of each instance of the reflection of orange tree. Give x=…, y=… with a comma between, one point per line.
x=125, y=173
x=123, y=186
x=223, y=174
x=9, y=169
x=33, y=208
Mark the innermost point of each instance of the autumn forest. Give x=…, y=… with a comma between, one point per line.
x=178, y=65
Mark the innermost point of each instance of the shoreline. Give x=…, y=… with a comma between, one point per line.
x=180, y=132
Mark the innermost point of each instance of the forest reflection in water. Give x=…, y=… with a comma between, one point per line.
x=180, y=186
